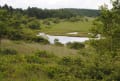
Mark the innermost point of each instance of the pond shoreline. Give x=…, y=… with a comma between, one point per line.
x=63, y=39
x=79, y=34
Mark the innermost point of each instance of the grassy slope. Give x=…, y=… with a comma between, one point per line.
x=65, y=27
x=24, y=49
x=32, y=71
x=28, y=48
x=22, y=67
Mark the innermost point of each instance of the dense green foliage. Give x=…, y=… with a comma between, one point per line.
x=108, y=25
x=42, y=65
x=16, y=26
x=75, y=45
x=98, y=60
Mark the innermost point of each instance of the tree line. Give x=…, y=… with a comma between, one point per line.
x=53, y=13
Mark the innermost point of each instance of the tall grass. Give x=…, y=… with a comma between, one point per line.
x=28, y=48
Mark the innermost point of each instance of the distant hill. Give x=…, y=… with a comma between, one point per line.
x=61, y=13
x=53, y=13
x=85, y=12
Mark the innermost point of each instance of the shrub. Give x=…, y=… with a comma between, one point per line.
x=56, y=20
x=52, y=72
x=15, y=35
x=57, y=43
x=78, y=61
x=40, y=40
x=66, y=61
x=44, y=54
x=33, y=59
x=102, y=45
x=75, y=45
x=57, y=72
x=34, y=25
x=74, y=19
x=46, y=22
x=8, y=51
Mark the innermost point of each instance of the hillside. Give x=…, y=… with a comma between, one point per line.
x=84, y=12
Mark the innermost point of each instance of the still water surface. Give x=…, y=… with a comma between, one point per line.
x=63, y=39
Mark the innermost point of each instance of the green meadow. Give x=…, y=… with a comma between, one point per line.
x=64, y=27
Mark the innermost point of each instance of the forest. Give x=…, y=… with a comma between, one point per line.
x=53, y=13
x=24, y=56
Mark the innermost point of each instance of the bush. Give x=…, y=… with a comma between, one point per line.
x=57, y=72
x=40, y=40
x=44, y=54
x=56, y=20
x=102, y=45
x=34, y=25
x=15, y=35
x=74, y=19
x=8, y=51
x=52, y=72
x=66, y=61
x=78, y=61
x=46, y=22
x=75, y=45
x=33, y=59
x=57, y=43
